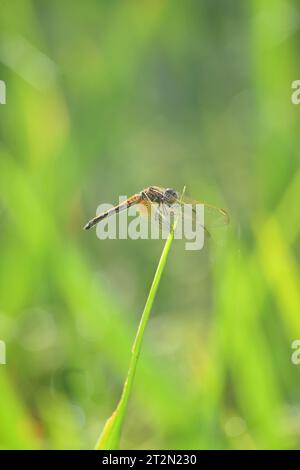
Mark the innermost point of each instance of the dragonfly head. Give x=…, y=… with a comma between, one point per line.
x=170, y=196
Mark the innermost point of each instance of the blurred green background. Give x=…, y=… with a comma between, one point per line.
x=105, y=98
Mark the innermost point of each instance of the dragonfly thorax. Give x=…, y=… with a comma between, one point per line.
x=159, y=195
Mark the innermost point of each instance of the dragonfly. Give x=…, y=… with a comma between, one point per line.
x=162, y=200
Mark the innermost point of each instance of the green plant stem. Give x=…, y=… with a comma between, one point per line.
x=110, y=436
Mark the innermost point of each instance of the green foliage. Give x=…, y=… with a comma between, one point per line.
x=102, y=101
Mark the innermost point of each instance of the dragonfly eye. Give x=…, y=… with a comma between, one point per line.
x=170, y=195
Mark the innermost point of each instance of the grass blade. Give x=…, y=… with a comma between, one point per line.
x=110, y=436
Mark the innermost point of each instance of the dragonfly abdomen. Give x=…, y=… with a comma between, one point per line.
x=114, y=210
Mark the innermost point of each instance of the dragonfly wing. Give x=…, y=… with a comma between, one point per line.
x=144, y=208
x=215, y=219
x=156, y=213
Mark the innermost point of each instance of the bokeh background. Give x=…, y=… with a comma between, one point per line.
x=105, y=98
